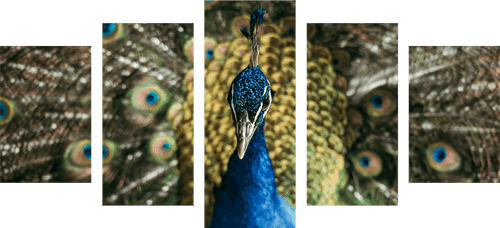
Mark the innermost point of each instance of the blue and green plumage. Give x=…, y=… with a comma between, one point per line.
x=248, y=195
x=352, y=114
x=147, y=148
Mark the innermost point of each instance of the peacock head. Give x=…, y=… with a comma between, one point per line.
x=250, y=98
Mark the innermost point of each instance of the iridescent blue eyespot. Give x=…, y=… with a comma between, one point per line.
x=152, y=97
x=108, y=29
x=442, y=157
x=365, y=161
x=105, y=151
x=77, y=157
x=162, y=148
x=340, y=59
x=209, y=53
x=439, y=154
x=7, y=110
x=287, y=26
x=166, y=146
x=109, y=150
x=336, y=62
x=379, y=102
x=3, y=110
x=86, y=151
x=376, y=101
x=210, y=44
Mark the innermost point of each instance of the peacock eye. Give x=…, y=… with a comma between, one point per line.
x=108, y=29
x=287, y=26
x=105, y=151
x=6, y=111
x=244, y=31
x=209, y=53
x=367, y=163
x=240, y=23
x=87, y=151
x=109, y=149
x=380, y=103
x=162, y=148
x=78, y=155
x=150, y=98
x=111, y=31
x=442, y=157
x=209, y=49
x=340, y=59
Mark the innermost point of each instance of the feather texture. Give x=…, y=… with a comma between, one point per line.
x=232, y=54
x=454, y=109
x=352, y=114
x=147, y=119
x=45, y=114
x=225, y=26
x=248, y=191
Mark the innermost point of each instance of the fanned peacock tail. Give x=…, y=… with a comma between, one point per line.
x=227, y=54
x=352, y=114
x=147, y=114
x=45, y=114
x=454, y=109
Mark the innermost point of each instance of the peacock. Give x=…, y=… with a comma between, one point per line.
x=454, y=105
x=45, y=114
x=352, y=114
x=247, y=196
x=147, y=114
x=227, y=53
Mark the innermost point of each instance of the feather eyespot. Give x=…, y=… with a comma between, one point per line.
x=340, y=59
x=87, y=151
x=240, y=23
x=209, y=49
x=6, y=111
x=162, y=147
x=442, y=157
x=367, y=163
x=77, y=156
x=108, y=29
x=105, y=151
x=111, y=32
x=287, y=26
x=380, y=103
x=209, y=53
x=109, y=149
x=150, y=98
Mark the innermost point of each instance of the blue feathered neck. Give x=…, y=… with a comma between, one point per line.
x=248, y=196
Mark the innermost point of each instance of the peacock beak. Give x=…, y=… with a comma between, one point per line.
x=244, y=133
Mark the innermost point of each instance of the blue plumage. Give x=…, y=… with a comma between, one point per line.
x=248, y=196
